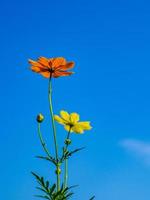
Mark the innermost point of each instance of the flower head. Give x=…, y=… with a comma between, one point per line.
x=51, y=67
x=71, y=122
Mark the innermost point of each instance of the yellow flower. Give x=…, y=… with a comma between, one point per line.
x=71, y=122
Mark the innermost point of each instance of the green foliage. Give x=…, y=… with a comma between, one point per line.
x=92, y=198
x=48, y=158
x=50, y=192
x=67, y=154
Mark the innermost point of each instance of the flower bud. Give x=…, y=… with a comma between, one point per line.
x=67, y=141
x=40, y=118
x=58, y=171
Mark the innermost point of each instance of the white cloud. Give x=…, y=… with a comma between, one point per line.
x=138, y=148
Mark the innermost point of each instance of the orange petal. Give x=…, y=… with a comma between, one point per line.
x=41, y=65
x=35, y=69
x=67, y=66
x=43, y=61
x=45, y=74
x=57, y=74
x=58, y=61
x=34, y=63
x=39, y=69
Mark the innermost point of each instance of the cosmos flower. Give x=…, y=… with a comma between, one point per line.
x=51, y=67
x=71, y=122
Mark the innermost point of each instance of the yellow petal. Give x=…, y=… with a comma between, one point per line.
x=67, y=128
x=77, y=129
x=74, y=117
x=58, y=119
x=85, y=125
x=65, y=115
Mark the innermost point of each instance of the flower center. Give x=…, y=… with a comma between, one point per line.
x=71, y=124
x=51, y=70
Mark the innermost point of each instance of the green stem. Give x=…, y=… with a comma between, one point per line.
x=66, y=174
x=66, y=163
x=54, y=131
x=42, y=141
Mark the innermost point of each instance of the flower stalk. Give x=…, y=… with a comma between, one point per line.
x=66, y=160
x=42, y=141
x=54, y=132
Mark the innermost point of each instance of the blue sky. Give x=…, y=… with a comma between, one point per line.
x=110, y=43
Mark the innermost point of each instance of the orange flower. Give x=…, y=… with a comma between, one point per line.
x=51, y=67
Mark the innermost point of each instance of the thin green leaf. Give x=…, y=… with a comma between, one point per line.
x=47, y=184
x=50, y=159
x=52, y=189
x=92, y=198
x=44, y=197
x=69, y=195
x=76, y=150
x=42, y=181
x=36, y=176
x=42, y=189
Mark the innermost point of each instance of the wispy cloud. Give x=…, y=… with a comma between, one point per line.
x=138, y=148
